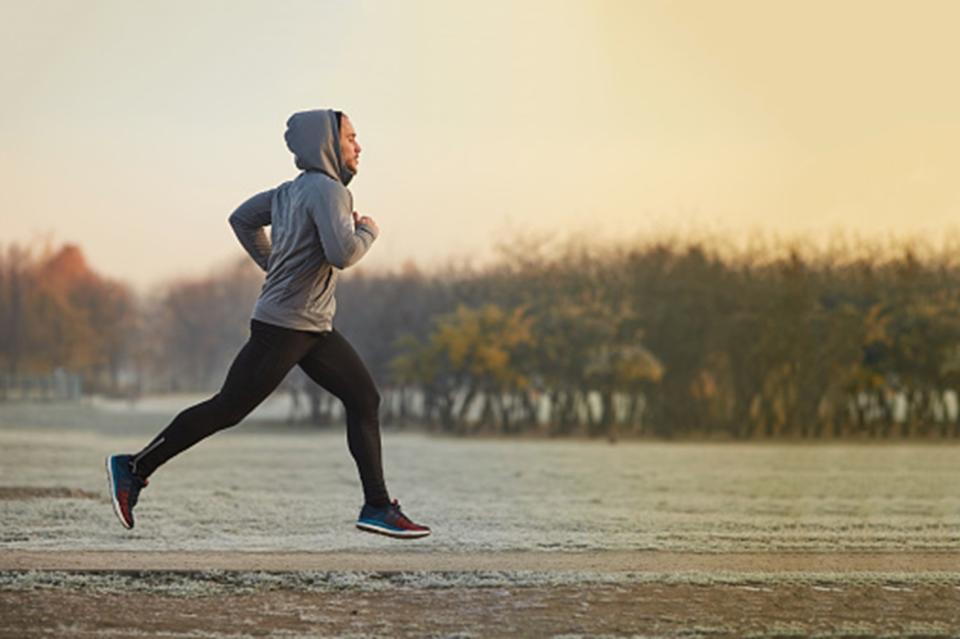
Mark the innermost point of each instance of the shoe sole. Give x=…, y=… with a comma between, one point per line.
x=113, y=493
x=408, y=534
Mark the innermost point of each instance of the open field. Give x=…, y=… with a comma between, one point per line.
x=272, y=488
x=251, y=533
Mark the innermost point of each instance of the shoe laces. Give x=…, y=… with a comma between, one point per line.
x=396, y=506
x=140, y=481
x=133, y=494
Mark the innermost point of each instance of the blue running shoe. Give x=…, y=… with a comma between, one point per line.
x=390, y=521
x=124, y=487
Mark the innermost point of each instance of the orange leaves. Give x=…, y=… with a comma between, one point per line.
x=58, y=312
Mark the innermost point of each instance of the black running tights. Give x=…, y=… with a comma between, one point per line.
x=269, y=354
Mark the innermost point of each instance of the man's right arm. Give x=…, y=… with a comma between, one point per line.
x=344, y=242
x=248, y=222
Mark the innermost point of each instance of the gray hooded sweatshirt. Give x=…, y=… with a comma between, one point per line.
x=312, y=234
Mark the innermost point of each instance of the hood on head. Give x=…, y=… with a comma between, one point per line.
x=314, y=139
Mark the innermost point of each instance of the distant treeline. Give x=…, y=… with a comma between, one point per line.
x=56, y=313
x=670, y=339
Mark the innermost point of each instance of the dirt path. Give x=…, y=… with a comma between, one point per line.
x=415, y=560
x=90, y=594
x=632, y=610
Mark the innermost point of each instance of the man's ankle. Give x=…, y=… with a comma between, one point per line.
x=138, y=472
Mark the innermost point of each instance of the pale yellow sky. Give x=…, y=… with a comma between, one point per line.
x=134, y=129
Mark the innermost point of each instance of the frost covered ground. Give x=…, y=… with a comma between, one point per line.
x=880, y=525
x=261, y=486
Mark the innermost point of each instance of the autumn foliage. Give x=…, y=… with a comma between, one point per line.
x=55, y=311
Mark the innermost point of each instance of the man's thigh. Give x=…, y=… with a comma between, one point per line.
x=263, y=362
x=337, y=367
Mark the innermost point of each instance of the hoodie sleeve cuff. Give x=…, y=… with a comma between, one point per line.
x=363, y=227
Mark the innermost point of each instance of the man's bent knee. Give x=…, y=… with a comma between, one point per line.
x=365, y=405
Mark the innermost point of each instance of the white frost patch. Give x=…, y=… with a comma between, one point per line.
x=213, y=583
x=259, y=488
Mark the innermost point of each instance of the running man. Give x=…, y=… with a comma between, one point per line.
x=314, y=233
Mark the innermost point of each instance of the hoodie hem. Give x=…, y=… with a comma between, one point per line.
x=289, y=319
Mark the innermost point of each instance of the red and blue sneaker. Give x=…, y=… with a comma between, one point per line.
x=389, y=520
x=124, y=487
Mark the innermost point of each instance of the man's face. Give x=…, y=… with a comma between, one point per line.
x=349, y=147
